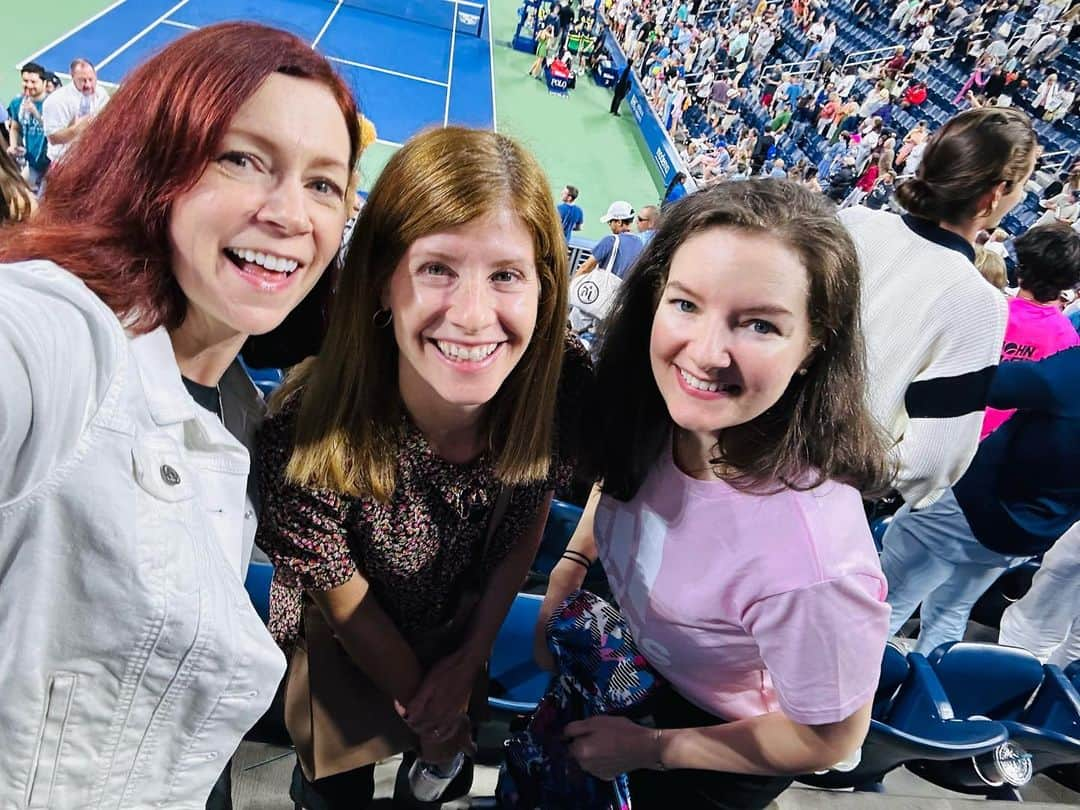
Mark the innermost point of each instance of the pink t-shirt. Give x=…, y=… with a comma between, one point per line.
x=750, y=604
x=1034, y=331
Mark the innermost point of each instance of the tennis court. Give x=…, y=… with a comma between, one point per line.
x=412, y=64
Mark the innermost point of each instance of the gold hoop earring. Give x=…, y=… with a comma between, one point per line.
x=378, y=318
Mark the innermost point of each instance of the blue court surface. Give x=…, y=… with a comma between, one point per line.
x=415, y=67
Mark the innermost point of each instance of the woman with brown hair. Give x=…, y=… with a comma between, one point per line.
x=409, y=467
x=188, y=220
x=17, y=201
x=732, y=455
x=933, y=328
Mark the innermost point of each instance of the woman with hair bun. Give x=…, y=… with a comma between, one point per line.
x=188, y=220
x=933, y=327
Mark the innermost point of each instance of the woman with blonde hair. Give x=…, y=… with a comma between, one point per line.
x=17, y=201
x=416, y=456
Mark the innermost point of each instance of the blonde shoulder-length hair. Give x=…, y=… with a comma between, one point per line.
x=349, y=421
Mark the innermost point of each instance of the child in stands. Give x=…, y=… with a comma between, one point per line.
x=729, y=520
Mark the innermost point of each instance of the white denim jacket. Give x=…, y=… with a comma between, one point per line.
x=131, y=660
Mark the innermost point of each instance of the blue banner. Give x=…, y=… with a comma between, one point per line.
x=660, y=147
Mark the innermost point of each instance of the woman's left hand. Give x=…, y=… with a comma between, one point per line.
x=443, y=695
x=608, y=746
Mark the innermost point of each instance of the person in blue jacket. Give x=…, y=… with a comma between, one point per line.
x=1020, y=494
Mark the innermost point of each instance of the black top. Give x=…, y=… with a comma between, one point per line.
x=206, y=395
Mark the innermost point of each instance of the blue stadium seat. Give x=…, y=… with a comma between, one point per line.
x=878, y=526
x=257, y=585
x=912, y=721
x=561, y=523
x=1036, y=703
x=265, y=379
x=517, y=683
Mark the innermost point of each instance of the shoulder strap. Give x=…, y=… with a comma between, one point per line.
x=614, y=252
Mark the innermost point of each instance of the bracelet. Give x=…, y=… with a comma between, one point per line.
x=580, y=561
x=578, y=557
x=658, y=740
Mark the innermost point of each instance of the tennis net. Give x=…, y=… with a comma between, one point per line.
x=452, y=15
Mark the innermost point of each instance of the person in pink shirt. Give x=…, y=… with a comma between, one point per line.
x=735, y=443
x=1048, y=261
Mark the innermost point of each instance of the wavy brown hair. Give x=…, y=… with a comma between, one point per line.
x=820, y=428
x=349, y=422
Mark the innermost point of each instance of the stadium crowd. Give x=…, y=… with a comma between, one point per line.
x=728, y=386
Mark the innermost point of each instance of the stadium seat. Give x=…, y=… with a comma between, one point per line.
x=257, y=585
x=517, y=683
x=877, y=529
x=912, y=721
x=265, y=379
x=561, y=523
x=1036, y=703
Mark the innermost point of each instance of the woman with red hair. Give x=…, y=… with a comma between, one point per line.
x=199, y=208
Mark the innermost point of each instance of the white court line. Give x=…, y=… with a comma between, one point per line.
x=450, y=72
x=177, y=24
x=73, y=31
x=384, y=70
x=326, y=24
x=140, y=35
x=389, y=143
x=491, y=66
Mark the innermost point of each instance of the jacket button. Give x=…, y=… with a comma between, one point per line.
x=169, y=475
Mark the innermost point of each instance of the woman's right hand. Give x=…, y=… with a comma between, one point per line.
x=566, y=577
x=440, y=750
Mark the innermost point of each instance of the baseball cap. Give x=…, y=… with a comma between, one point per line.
x=620, y=209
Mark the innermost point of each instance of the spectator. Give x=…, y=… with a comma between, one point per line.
x=881, y=193
x=1065, y=207
x=934, y=329
x=1046, y=620
x=1048, y=261
x=619, y=219
x=26, y=130
x=992, y=267
x=570, y=214
x=708, y=406
x=17, y=201
x=68, y=111
x=406, y=478
x=914, y=95
x=646, y=223
x=126, y=414
x=1017, y=498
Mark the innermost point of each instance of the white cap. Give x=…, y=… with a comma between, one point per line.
x=620, y=209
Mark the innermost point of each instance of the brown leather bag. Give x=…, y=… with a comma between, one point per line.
x=337, y=718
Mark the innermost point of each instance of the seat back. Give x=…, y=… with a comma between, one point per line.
x=561, y=522
x=894, y=669
x=517, y=683
x=986, y=679
x=921, y=701
x=257, y=584
x=1056, y=706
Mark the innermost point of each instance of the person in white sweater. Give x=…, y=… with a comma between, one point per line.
x=933, y=326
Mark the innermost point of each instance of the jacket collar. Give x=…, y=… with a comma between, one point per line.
x=168, y=400
x=933, y=232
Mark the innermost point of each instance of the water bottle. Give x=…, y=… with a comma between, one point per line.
x=20, y=157
x=428, y=780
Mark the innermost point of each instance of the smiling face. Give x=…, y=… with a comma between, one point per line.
x=730, y=330
x=256, y=231
x=465, y=304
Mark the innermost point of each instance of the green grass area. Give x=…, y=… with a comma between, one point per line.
x=574, y=138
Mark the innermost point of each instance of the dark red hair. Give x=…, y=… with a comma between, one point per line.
x=105, y=216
